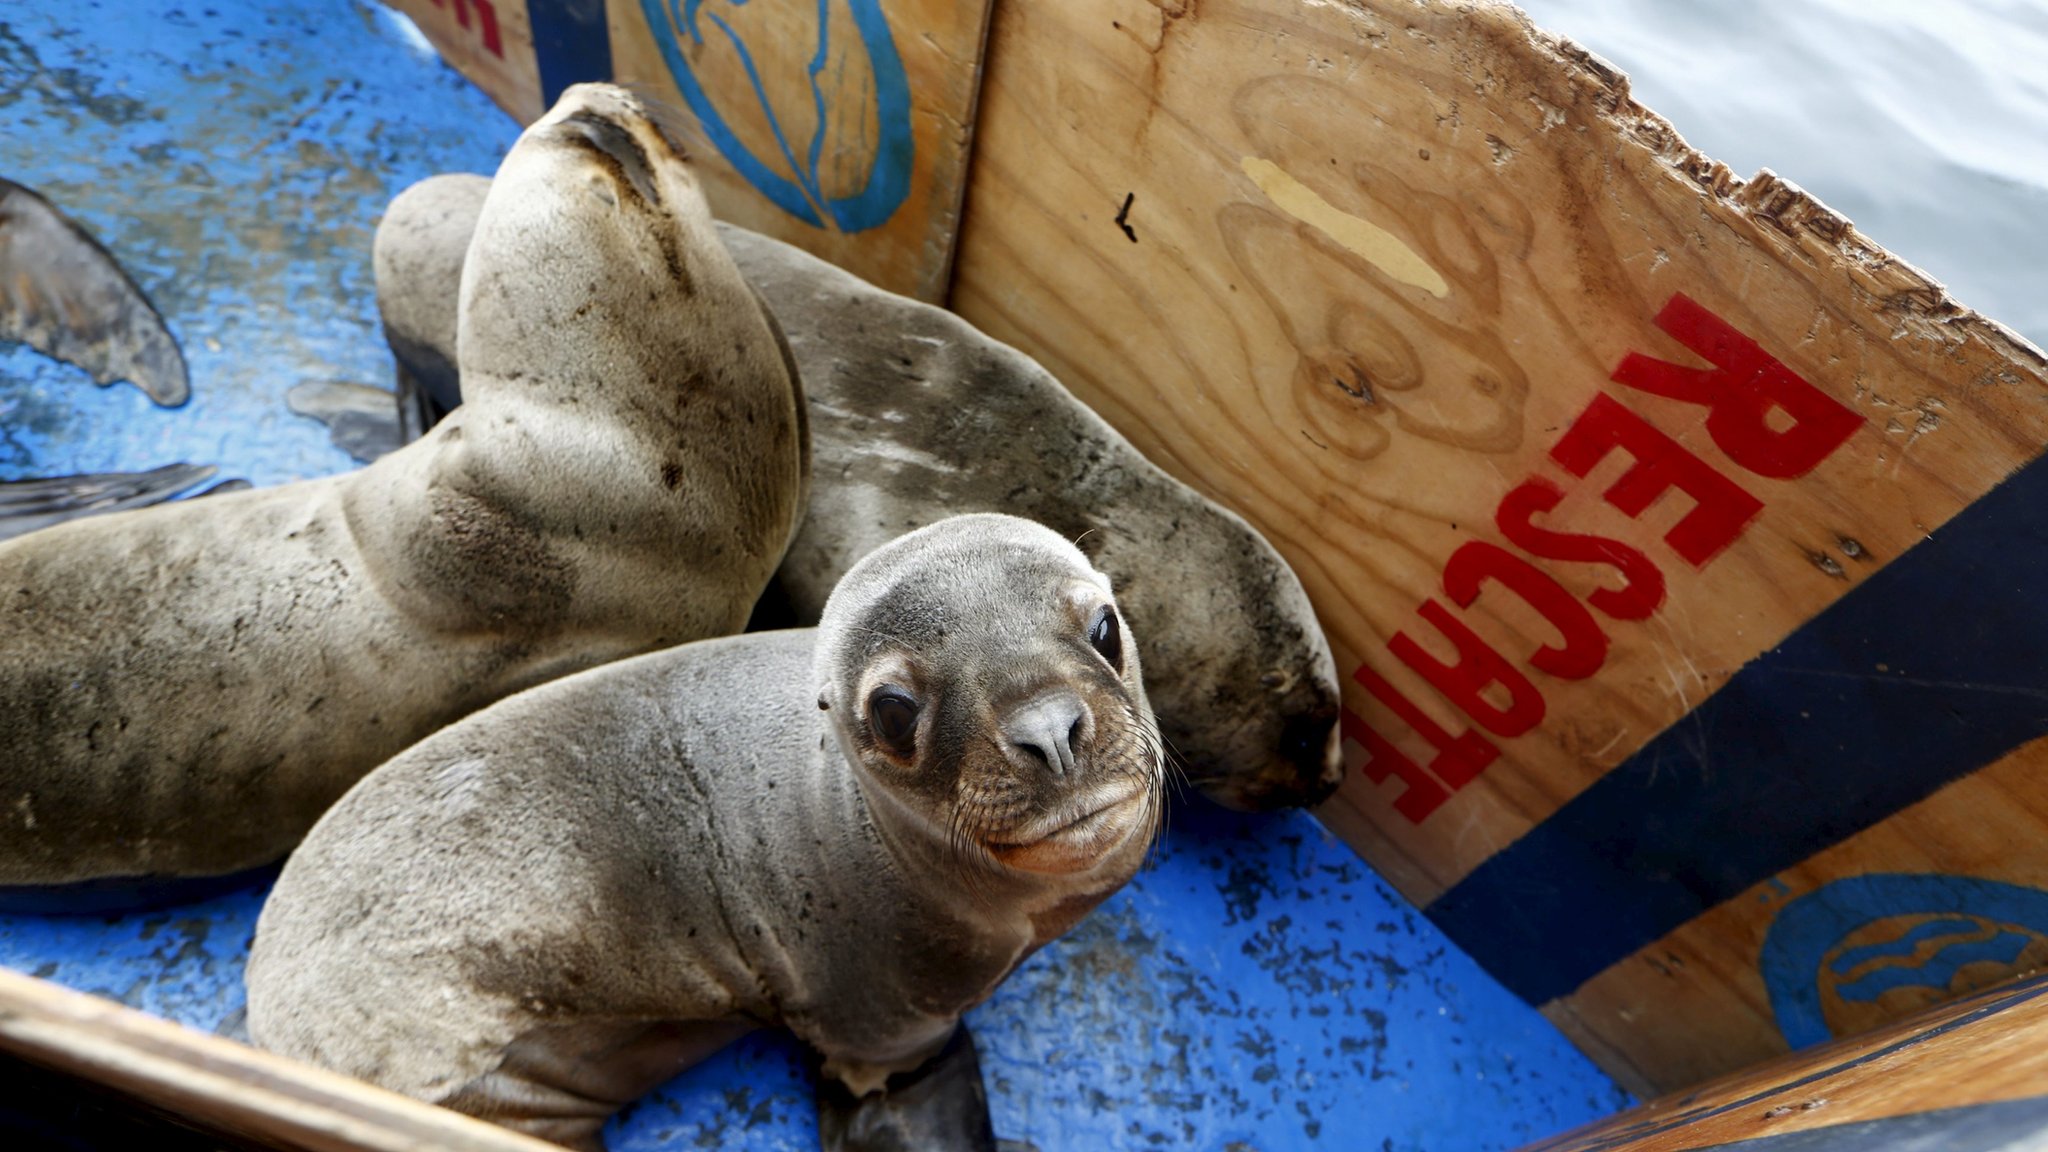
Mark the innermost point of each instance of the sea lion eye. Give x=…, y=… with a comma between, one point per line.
x=1107, y=637
x=892, y=714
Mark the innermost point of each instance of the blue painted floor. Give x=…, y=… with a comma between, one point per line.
x=1256, y=988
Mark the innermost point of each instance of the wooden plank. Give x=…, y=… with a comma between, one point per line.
x=219, y=1085
x=1947, y=1064
x=1403, y=280
x=1947, y=897
x=843, y=128
x=848, y=137
x=489, y=41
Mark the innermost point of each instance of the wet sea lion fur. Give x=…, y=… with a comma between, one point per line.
x=856, y=831
x=916, y=415
x=184, y=689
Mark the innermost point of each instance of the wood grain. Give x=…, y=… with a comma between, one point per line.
x=1702, y=984
x=217, y=1084
x=1356, y=270
x=1981, y=1049
x=489, y=41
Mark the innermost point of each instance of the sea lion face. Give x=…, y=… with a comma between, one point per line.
x=592, y=225
x=1250, y=709
x=980, y=676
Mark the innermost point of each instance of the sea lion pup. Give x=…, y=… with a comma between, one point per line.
x=916, y=415
x=183, y=690
x=539, y=914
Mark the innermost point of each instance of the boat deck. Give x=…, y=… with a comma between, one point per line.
x=1257, y=987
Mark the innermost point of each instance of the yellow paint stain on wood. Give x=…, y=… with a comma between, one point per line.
x=1377, y=246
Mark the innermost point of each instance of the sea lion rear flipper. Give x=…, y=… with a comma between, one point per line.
x=64, y=295
x=26, y=505
x=941, y=1107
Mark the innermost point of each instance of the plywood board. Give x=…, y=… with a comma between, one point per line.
x=1947, y=897
x=221, y=1086
x=840, y=127
x=1612, y=475
x=489, y=41
x=1965, y=1077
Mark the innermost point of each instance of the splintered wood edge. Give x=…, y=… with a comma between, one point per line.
x=228, y=1085
x=1870, y=1076
x=1775, y=202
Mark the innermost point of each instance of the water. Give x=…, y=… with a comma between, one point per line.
x=1925, y=123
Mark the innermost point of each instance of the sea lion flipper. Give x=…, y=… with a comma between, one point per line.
x=26, y=505
x=64, y=295
x=363, y=421
x=940, y=1106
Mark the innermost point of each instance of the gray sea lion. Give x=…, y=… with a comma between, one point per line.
x=184, y=689
x=916, y=415
x=540, y=913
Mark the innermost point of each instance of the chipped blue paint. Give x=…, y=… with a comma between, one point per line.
x=1257, y=987
x=2003, y=949
x=1851, y=959
x=235, y=157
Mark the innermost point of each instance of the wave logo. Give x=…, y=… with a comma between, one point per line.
x=1867, y=949
x=828, y=142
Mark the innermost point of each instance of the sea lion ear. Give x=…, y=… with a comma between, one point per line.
x=824, y=705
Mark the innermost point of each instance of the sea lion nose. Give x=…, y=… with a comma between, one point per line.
x=1306, y=742
x=1050, y=728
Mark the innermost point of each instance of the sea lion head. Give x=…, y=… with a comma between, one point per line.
x=594, y=259
x=979, y=676
x=1250, y=712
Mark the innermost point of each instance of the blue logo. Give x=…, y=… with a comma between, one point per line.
x=803, y=192
x=1833, y=956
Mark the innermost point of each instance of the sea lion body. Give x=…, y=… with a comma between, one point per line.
x=542, y=912
x=184, y=689
x=916, y=415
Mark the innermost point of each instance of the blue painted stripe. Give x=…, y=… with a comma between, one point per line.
x=2001, y=950
x=570, y=42
x=1905, y=946
x=1934, y=666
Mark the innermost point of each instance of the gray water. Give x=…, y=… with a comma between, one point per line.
x=1924, y=121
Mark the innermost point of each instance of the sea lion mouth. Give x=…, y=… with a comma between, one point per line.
x=614, y=144
x=1074, y=842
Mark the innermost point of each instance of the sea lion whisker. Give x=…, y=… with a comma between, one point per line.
x=970, y=855
x=1175, y=766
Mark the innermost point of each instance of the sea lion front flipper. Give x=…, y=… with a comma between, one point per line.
x=941, y=1106
x=26, y=505
x=64, y=295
